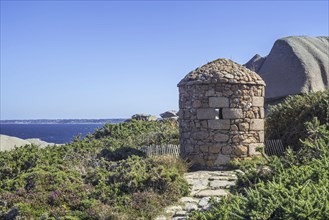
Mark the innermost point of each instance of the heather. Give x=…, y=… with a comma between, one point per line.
x=286, y=121
x=103, y=176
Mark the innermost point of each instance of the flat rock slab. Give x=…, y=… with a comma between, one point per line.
x=173, y=209
x=221, y=184
x=204, y=201
x=209, y=192
x=198, y=183
x=189, y=200
x=219, y=178
x=197, y=175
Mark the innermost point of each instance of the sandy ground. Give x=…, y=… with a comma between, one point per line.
x=9, y=142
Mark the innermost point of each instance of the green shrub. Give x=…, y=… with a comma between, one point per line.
x=122, y=153
x=99, y=177
x=136, y=174
x=138, y=133
x=285, y=121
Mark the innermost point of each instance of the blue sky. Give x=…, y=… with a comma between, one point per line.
x=112, y=59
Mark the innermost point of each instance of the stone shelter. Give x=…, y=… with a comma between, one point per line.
x=221, y=113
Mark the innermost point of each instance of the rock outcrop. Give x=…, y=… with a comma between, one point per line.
x=295, y=65
x=172, y=114
x=8, y=142
x=144, y=117
x=255, y=63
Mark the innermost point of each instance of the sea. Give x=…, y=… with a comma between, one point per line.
x=53, y=131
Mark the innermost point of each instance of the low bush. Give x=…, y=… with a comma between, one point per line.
x=99, y=177
x=138, y=133
x=286, y=121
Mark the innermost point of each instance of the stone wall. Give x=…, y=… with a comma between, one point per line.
x=220, y=121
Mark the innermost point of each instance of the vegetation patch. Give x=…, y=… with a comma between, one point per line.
x=286, y=121
x=102, y=176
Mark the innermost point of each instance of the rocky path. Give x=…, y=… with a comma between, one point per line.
x=204, y=185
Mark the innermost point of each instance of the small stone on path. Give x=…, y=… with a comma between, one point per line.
x=191, y=207
x=180, y=213
x=204, y=201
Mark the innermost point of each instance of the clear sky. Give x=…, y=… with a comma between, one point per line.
x=112, y=59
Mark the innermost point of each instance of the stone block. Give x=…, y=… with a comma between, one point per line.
x=249, y=140
x=201, y=135
x=257, y=124
x=186, y=135
x=213, y=124
x=188, y=149
x=196, y=104
x=235, y=139
x=210, y=92
x=252, y=149
x=204, y=148
x=197, y=159
x=211, y=156
x=219, y=124
x=222, y=159
x=240, y=150
x=207, y=113
x=232, y=113
x=261, y=113
x=244, y=126
x=209, y=163
x=261, y=136
x=227, y=150
x=258, y=101
x=234, y=128
x=218, y=102
x=215, y=149
x=185, y=114
x=221, y=137
x=204, y=124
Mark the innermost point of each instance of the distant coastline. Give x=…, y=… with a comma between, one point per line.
x=64, y=121
x=58, y=131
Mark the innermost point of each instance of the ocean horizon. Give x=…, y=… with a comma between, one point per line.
x=58, y=131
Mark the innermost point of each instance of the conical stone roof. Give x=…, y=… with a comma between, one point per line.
x=221, y=71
